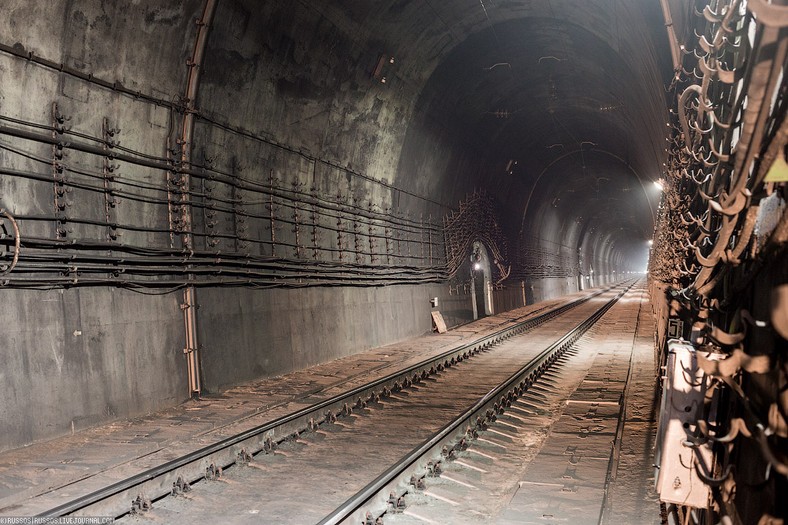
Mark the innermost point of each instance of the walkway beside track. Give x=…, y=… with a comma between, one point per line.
x=576, y=478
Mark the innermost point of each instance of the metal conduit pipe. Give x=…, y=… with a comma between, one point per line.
x=189, y=305
x=675, y=50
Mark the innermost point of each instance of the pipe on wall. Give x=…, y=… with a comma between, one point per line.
x=675, y=50
x=187, y=135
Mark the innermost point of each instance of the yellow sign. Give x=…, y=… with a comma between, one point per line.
x=778, y=171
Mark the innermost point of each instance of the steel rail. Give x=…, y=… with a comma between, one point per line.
x=452, y=436
x=157, y=482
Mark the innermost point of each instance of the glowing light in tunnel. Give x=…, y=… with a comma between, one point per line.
x=477, y=266
x=659, y=185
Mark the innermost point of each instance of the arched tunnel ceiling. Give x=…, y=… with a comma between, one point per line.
x=564, y=81
x=482, y=84
x=552, y=81
x=472, y=87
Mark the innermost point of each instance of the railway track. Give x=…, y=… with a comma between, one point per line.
x=386, y=494
x=293, y=442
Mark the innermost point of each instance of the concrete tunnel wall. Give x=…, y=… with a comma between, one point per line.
x=75, y=358
x=298, y=79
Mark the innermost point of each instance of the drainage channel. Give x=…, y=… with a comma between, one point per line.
x=175, y=476
x=386, y=494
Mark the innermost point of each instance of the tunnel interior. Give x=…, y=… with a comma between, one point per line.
x=203, y=193
x=348, y=153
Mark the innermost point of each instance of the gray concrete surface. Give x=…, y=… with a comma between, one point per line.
x=73, y=359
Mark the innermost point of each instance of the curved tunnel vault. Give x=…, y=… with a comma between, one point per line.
x=333, y=144
x=552, y=117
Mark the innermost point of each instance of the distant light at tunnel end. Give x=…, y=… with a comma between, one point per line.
x=477, y=266
x=651, y=242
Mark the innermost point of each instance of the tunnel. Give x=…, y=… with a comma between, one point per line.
x=200, y=194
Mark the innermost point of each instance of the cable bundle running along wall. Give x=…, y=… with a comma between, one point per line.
x=543, y=259
x=475, y=220
x=116, y=213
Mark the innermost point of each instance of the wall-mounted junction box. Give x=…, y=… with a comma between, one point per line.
x=684, y=388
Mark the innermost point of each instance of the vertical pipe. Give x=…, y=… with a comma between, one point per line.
x=474, y=305
x=673, y=41
x=489, y=306
x=421, y=238
x=271, y=211
x=189, y=306
x=429, y=239
x=187, y=130
x=191, y=350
